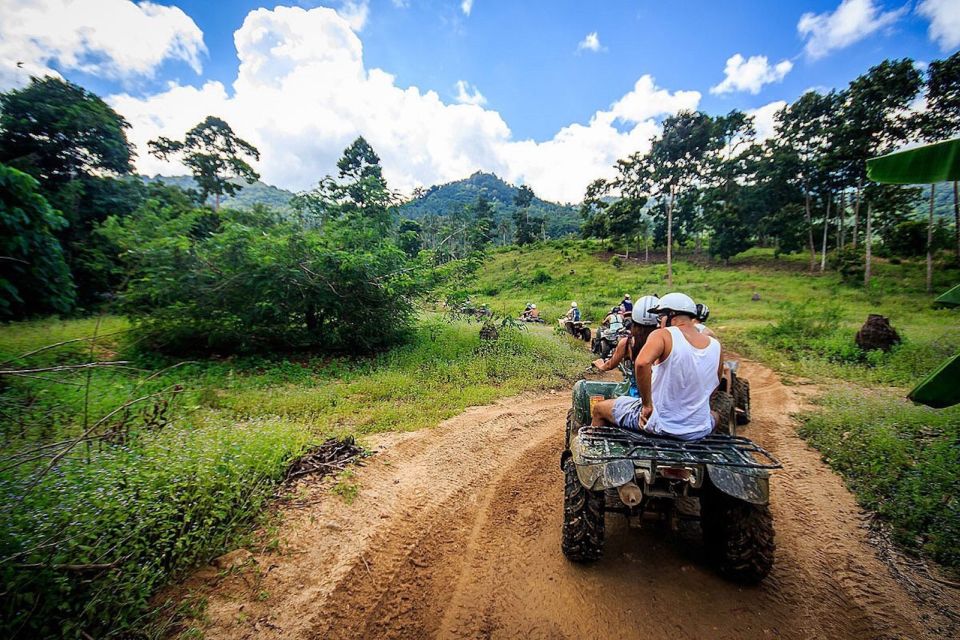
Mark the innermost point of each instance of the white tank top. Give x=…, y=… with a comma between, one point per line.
x=681, y=388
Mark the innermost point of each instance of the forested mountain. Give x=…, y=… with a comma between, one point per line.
x=251, y=194
x=443, y=200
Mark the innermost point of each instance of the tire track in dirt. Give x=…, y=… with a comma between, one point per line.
x=456, y=534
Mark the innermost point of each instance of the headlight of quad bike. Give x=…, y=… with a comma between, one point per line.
x=607, y=475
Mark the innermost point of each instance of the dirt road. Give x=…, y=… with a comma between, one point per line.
x=456, y=532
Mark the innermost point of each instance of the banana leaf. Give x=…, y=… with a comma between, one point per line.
x=949, y=299
x=941, y=388
x=938, y=162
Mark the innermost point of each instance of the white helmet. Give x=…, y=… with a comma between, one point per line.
x=678, y=302
x=533, y=306
x=626, y=296
x=573, y=305
x=641, y=311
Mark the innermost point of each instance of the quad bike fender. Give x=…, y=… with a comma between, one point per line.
x=750, y=485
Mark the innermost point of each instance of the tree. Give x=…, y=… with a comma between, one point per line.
x=34, y=277
x=57, y=132
x=408, y=237
x=941, y=120
x=802, y=132
x=483, y=228
x=727, y=167
x=214, y=155
x=676, y=160
x=526, y=226
x=875, y=119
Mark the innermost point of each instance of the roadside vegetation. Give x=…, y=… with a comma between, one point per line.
x=900, y=459
x=175, y=481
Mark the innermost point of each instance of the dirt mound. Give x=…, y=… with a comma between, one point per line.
x=456, y=533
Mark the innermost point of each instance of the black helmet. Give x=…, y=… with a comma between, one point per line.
x=703, y=312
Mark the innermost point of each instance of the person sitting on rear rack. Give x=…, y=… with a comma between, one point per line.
x=677, y=369
x=700, y=322
x=642, y=324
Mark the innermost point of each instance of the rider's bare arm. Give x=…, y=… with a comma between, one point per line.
x=653, y=351
x=618, y=355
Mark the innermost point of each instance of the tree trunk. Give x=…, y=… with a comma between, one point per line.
x=856, y=215
x=930, y=241
x=670, y=239
x=826, y=226
x=956, y=216
x=809, y=221
x=868, y=245
x=843, y=213
x=216, y=202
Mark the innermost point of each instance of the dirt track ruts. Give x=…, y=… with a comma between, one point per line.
x=455, y=534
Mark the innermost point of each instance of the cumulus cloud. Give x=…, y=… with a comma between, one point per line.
x=303, y=93
x=763, y=119
x=112, y=38
x=851, y=22
x=590, y=42
x=944, y=16
x=467, y=94
x=750, y=74
x=466, y=6
x=355, y=12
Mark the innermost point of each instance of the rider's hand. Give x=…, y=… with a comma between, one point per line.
x=645, y=414
x=598, y=363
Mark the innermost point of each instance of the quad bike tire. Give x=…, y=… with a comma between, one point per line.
x=741, y=394
x=725, y=406
x=738, y=536
x=583, y=527
x=585, y=334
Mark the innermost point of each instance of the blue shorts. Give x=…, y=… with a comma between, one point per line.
x=626, y=412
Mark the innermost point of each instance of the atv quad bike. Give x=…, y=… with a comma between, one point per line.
x=722, y=481
x=578, y=329
x=607, y=338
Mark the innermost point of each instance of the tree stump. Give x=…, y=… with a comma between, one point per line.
x=876, y=333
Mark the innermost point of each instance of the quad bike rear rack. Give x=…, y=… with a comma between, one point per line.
x=598, y=445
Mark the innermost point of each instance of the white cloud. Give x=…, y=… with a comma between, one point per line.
x=467, y=94
x=466, y=6
x=113, y=38
x=355, y=12
x=401, y=4
x=302, y=94
x=750, y=74
x=763, y=119
x=851, y=22
x=944, y=16
x=590, y=42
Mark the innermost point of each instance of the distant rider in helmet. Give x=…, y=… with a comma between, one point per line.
x=626, y=304
x=612, y=317
x=677, y=369
x=641, y=326
x=574, y=313
x=699, y=323
x=533, y=313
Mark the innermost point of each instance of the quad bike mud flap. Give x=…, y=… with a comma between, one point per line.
x=750, y=485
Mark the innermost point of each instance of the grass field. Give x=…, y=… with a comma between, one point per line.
x=161, y=494
x=900, y=459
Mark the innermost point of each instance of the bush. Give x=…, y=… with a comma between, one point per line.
x=540, y=277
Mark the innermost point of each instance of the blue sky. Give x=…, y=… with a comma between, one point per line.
x=527, y=89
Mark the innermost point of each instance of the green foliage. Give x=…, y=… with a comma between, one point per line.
x=249, y=195
x=901, y=461
x=57, y=131
x=214, y=154
x=34, y=277
x=441, y=201
x=173, y=497
x=849, y=263
x=244, y=281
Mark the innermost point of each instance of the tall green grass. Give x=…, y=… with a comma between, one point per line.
x=83, y=548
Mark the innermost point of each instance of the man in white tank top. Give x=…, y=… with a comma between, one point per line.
x=677, y=370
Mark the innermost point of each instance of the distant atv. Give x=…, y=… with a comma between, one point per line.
x=578, y=329
x=721, y=481
x=607, y=338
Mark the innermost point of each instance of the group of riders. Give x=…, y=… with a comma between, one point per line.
x=672, y=361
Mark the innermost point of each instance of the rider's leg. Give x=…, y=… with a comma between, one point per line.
x=603, y=414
